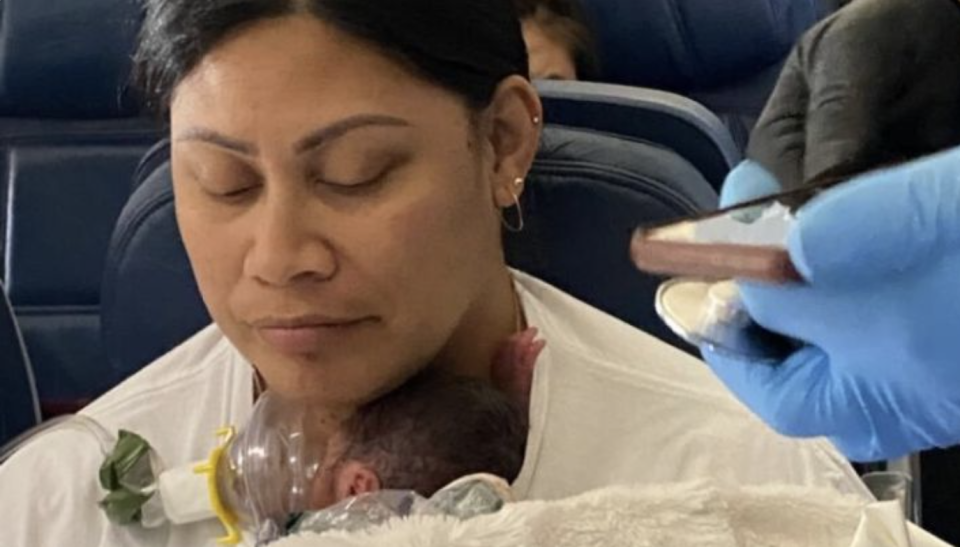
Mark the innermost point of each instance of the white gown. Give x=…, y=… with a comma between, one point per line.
x=610, y=405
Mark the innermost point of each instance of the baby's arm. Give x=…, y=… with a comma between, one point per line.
x=514, y=363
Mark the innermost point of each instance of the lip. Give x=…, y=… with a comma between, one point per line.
x=307, y=334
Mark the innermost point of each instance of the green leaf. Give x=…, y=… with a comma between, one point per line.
x=126, y=473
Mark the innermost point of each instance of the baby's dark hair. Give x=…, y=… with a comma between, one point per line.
x=435, y=429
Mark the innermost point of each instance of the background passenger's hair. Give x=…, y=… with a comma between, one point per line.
x=566, y=22
x=466, y=46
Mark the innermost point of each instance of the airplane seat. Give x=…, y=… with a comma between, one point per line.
x=19, y=410
x=70, y=139
x=585, y=195
x=659, y=118
x=726, y=55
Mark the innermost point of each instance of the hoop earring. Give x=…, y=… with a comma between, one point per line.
x=518, y=225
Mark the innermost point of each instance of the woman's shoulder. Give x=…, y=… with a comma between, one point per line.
x=207, y=353
x=601, y=382
x=176, y=403
x=580, y=333
x=50, y=493
x=186, y=394
x=49, y=485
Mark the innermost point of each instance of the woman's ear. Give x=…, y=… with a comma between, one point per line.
x=355, y=478
x=514, y=123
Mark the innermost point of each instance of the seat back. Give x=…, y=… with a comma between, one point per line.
x=656, y=117
x=585, y=195
x=70, y=139
x=19, y=410
x=724, y=54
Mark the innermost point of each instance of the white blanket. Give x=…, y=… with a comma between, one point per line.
x=684, y=515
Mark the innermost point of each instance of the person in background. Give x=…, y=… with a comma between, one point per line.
x=559, y=41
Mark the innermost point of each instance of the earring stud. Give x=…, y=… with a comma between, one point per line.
x=536, y=120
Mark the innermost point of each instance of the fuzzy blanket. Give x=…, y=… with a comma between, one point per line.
x=684, y=515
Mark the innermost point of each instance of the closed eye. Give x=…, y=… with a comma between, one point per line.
x=233, y=196
x=355, y=188
x=369, y=185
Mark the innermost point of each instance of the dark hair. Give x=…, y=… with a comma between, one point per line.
x=565, y=22
x=435, y=429
x=466, y=46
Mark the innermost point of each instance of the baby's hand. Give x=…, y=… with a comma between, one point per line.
x=513, y=365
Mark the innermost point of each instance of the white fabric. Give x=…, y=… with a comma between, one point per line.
x=610, y=405
x=674, y=515
x=49, y=490
x=883, y=526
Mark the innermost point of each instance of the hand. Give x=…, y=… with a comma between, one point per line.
x=514, y=363
x=880, y=314
x=875, y=84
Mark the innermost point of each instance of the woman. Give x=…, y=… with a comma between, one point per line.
x=340, y=168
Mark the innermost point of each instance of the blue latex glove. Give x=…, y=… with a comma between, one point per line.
x=880, y=314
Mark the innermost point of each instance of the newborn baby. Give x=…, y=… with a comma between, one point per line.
x=426, y=434
x=429, y=432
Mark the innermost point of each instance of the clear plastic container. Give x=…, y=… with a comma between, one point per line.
x=712, y=314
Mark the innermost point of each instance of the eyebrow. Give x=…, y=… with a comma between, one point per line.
x=307, y=143
x=210, y=136
x=342, y=127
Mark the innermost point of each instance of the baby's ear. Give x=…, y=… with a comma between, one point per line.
x=356, y=478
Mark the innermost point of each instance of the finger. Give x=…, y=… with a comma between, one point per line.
x=748, y=181
x=880, y=223
x=791, y=396
x=532, y=353
x=521, y=346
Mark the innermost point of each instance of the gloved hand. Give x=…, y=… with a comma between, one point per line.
x=875, y=84
x=880, y=314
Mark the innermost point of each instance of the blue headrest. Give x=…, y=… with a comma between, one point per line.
x=149, y=299
x=585, y=196
x=684, y=45
x=19, y=408
x=66, y=58
x=587, y=193
x=656, y=117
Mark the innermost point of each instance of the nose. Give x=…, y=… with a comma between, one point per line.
x=288, y=244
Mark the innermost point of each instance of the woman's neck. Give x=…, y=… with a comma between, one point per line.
x=485, y=327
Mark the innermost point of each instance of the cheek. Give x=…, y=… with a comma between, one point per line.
x=215, y=250
x=443, y=243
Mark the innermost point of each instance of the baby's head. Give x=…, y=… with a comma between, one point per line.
x=423, y=435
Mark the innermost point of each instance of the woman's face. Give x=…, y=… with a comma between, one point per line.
x=341, y=215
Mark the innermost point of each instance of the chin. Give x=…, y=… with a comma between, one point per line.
x=328, y=386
